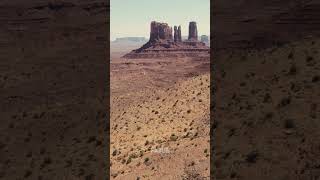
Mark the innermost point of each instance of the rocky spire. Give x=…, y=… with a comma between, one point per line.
x=179, y=34
x=193, y=32
x=175, y=34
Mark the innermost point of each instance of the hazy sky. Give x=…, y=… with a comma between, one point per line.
x=133, y=17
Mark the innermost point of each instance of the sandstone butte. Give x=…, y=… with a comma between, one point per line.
x=163, y=44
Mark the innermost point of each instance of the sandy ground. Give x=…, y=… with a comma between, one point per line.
x=160, y=118
x=53, y=100
x=266, y=114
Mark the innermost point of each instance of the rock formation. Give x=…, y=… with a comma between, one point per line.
x=160, y=31
x=193, y=31
x=163, y=44
x=205, y=39
x=177, y=34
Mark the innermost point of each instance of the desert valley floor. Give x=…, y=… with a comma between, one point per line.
x=159, y=118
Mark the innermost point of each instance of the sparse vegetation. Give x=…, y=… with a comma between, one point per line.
x=141, y=129
x=173, y=137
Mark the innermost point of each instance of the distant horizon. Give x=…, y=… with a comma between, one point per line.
x=147, y=38
x=133, y=18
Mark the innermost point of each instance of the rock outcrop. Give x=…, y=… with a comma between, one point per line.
x=163, y=44
x=160, y=31
x=193, y=31
x=205, y=39
x=177, y=34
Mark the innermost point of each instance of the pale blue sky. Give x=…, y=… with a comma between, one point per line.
x=133, y=17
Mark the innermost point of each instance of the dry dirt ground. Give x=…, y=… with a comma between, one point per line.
x=267, y=113
x=53, y=90
x=260, y=23
x=159, y=118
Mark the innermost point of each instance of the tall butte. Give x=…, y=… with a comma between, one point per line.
x=177, y=34
x=160, y=31
x=162, y=44
x=193, y=31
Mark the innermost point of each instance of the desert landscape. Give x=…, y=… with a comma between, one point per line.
x=266, y=120
x=53, y=90
x=265, y=88
x=159, y=112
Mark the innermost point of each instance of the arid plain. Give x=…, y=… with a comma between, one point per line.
x=159, y=117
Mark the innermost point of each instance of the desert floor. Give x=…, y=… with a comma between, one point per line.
x=53, y=107
x=267, y=113
x=159, y=118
